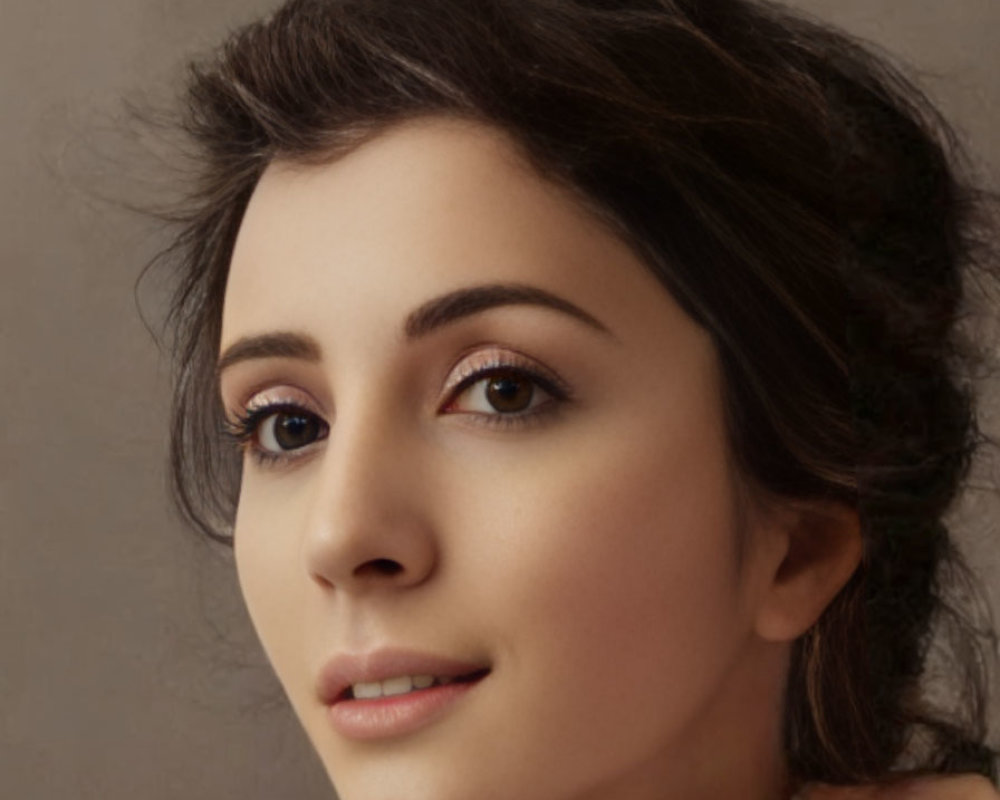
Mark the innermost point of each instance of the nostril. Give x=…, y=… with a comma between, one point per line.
x=380, y=566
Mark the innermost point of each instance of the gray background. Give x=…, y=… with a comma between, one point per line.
x=127, y=667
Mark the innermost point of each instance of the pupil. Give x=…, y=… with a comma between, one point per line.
x=508, y=393
x=292, y=431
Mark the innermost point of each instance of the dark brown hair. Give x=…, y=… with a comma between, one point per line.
x=794, y=193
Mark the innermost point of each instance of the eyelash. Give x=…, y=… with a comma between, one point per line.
x=244, y=429
x=550, y=384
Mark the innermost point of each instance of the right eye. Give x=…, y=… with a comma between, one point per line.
x=289, y=430
x=277, y=432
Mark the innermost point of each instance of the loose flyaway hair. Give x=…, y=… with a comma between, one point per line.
x=794, y=192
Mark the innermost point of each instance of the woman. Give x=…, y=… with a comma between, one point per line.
x=592, y=366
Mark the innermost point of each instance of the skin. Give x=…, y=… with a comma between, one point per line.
x=588, y=555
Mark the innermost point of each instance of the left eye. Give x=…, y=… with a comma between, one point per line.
x=500, y=391
x=287, y=430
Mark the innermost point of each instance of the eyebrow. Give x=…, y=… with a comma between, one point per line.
x=432, y=315
x=461, y=303
x=270, y=345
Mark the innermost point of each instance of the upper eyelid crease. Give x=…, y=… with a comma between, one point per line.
x=242, y=425
x=435, y=313
x=473, y=373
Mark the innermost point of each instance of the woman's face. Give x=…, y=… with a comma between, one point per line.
x=483, y=441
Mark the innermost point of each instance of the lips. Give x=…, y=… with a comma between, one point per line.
x=345, y=670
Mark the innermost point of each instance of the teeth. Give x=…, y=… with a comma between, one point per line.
x=366, y=691
x=394, y=686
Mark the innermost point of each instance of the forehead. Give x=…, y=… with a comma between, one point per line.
x=425, y=208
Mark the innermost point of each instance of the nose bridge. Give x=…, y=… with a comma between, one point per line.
x=367, y=525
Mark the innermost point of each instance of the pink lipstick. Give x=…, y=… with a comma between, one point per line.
x=391, y=692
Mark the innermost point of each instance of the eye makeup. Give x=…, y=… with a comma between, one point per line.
x=277, y=433
x=279, y=425
x=500, y=371
x=276, y=426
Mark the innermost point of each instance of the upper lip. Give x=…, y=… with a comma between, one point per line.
x=346, y=669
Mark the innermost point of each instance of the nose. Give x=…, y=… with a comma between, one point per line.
x=368, y=527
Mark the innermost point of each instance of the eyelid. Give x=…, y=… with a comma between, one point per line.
x=243, y=426
x=496, y=358
x=243, y=418
x=278, y=395
x=475, y=367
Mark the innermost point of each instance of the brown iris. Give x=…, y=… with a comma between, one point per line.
x=509, y=392
x=294, y=430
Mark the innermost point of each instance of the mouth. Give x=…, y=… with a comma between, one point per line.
x=405, y=684
x=392, y=672
x=389, y=693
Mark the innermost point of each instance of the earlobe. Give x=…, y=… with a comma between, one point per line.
x=821, y=547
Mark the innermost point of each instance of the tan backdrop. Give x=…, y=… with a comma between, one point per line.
x=127, y=667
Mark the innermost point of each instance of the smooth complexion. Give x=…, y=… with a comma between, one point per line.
x=583, y=547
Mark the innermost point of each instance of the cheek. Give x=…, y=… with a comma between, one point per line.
x=609, y=582
x=639, y=558
x=620, y=539
x=621, y=566
x=266, y=565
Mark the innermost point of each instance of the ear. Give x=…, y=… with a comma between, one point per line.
x=812, y=552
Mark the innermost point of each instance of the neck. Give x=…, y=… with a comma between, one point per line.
x=736, y=748
x=733, y=751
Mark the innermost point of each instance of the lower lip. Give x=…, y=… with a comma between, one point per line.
x=386, y=717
